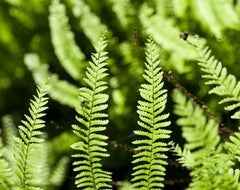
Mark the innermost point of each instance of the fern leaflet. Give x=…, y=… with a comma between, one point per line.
x=30, y=141
x=91, y=144
x=150, y=158
x=225, y=84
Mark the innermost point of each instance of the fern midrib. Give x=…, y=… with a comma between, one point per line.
x=153, y=122
x=29, y=144
x=90, y=123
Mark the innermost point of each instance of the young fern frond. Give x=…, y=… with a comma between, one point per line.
x=150, y=158
x=91, y=145
x=225, y=84
x=67, y=51
x=200, y=132
x=30, y=141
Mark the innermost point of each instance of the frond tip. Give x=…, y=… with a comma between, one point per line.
x=91, y=144
x=150, y=158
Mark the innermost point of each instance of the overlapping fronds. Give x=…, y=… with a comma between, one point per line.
x=90, y=148
x=215, y=172
x=201, y=133
x=29, y=142
x=60, y=90
x=225, y=84
x=150, y=158
x=5, y=170
x=67, y=51
x=211, y=168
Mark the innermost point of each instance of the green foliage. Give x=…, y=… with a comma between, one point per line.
x=29, y=143
x=67, y=51
x=150, y=158
x=200, y=133
x=211, y=167
x=91, y=143
x=225, y=84
x=55, y=38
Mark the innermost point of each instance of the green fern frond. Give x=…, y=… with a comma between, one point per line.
x=233, y=146
x=59, y=90
x=210, y=167
x=67, y=51
x=58, y=175
x=225, y=84
x=216, y=172
x=185, y=156
x=9, y=131
x=30, y=141
x=123, y=10
x=215, y=14
x=150, y=158
x=200, y=132
x=5, y=170
x=163, y=31
x=89, y=22
x=91, y=144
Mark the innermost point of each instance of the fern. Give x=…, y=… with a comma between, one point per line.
x=225, y=84
x=88, y=21
x=9, y=130
x=150, y=157
x=60, y=90
x=233, y=146
x=67, y=51
x=91, y=145
x=29, y=142
x=215, y=14
x=200, y=132
x=211, y=167
x=5, y=171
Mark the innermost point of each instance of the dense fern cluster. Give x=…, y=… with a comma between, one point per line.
x=119, y=123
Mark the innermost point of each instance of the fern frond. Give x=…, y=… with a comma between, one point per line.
x=123, y=10
x=150, y=160
x=233, y=146
x=202, y=153
x=215, y=14
x=59, y=90
x=30, y=141
x=200, y=132
x=91, y=145
x=58, y=175
x=225, y=84
x=67, y=51
x=5, y=170
x=216, y=172
x=89, y=22
x=9, y=131
x=185, y=156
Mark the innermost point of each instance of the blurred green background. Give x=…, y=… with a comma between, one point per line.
x=59, y=30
